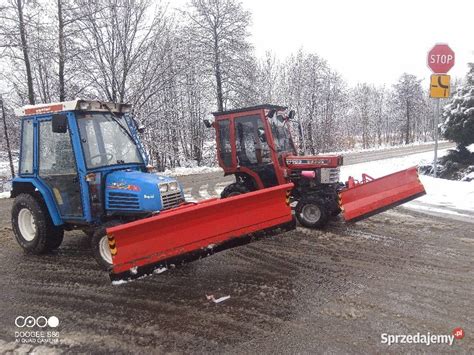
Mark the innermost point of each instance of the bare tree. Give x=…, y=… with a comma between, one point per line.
x=220, y=32
x=117, y=36
x=408, y=98
x=14, y=36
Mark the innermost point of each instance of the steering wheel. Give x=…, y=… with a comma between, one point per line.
x=108, y=156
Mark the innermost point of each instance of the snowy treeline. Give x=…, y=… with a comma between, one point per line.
x=459, y=113
x=175, y=66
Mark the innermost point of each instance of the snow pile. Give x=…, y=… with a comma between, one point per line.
x=379, y=168
x=445, y=196
x=458, y=164
x=442, y=196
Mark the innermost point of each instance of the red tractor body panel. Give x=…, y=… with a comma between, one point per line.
x=313, y=162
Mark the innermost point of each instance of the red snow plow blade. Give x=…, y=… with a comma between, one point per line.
x=371, y=196
x=195, y=230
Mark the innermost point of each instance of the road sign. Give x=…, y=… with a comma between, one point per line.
x=440, y=86
x=440, y=58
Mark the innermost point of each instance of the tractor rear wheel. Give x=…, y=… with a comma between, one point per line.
x=312, y=213
x=234, y=189
x=32, y=226
x=100, y=245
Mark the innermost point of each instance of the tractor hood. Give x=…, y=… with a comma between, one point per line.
x=136, y=191
x=315, y=161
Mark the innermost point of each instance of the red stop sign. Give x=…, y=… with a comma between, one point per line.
x=441, y=58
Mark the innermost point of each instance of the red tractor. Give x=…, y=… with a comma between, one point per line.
x=255, y=145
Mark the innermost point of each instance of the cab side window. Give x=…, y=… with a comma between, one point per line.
x=26, y=162
x=56, y=156
x=223, y=132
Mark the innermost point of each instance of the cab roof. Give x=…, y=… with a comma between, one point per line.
x=251, y=108
x=74, y=105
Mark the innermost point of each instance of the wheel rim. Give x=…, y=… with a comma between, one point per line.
x=26, y=224
x=104, y=250
x=311, y=213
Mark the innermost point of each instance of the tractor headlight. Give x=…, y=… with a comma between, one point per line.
x=173, y=186
x=163, y=187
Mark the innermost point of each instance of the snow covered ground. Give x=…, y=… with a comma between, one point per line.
x=190, y=171
x=455, y=198
x=360, y=149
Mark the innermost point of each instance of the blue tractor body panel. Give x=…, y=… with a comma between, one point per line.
x=134, y=191
x=47, y=197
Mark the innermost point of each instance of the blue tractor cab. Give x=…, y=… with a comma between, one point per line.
x=82, y=166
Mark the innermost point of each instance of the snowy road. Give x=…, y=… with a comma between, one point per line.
x=305, y=291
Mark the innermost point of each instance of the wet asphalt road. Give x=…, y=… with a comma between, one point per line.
x=305, y=291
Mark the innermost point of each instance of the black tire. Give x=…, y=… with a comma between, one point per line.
x=234, y=189
x=54, y=241
x=312, y=213
x=336, y=212
x=96, y=241
x=41, y=238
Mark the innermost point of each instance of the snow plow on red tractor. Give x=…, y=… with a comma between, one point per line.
x=255, y=145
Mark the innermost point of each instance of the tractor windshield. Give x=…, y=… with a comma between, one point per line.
x=281, y=135
x=106, y=140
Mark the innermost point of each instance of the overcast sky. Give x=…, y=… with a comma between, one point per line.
x=366, y=40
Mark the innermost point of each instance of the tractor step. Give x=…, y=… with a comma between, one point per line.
x=196, y=230
x=362, y=199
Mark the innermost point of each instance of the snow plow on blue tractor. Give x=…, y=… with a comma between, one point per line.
x=82, y=166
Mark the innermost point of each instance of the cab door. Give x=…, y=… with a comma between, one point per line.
x=57, y=169
x=252, y=149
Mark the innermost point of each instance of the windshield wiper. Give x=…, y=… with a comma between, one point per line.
x=114, y=118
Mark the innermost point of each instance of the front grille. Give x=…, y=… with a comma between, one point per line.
x=171, y=199
x=122, y=201
x=329, y=175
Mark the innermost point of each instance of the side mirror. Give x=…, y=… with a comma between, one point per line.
x=59, y=123
x=291, y=114
x=207, y=123
x=271, y=113
x=141, y=128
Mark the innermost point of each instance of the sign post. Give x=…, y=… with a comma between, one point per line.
x=440, y=60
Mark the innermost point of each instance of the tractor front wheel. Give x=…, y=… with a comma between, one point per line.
x=234, y=189
x=312, y=213
x=100, y=246
x=32, y=226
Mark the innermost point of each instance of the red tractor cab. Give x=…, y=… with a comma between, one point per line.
x=255, y=145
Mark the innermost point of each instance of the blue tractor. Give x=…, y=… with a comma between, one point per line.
x=82, y=166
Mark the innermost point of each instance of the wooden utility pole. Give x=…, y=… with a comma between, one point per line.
x=7, y=140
